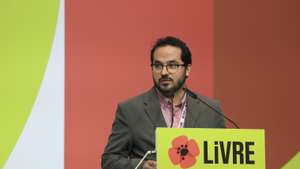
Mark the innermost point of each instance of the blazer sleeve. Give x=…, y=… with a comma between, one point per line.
x=117, y=151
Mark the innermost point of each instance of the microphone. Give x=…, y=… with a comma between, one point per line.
x=193, y=95
x=147, y=153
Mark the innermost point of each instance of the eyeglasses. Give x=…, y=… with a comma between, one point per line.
x=171, y=68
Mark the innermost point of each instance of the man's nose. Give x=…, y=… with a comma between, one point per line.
x=164, y=70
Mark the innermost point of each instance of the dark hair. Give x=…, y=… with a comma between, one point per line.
x=186, y=55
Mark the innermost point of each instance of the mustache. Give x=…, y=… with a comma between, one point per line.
x=165, y=78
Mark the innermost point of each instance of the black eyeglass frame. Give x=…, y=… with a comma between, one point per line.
x=168, y=66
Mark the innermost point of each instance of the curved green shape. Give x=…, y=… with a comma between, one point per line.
x=294, y=163
x=26, y=35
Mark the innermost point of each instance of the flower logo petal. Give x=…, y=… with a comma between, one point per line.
x=187, y=162
x=178, y=141
x=174, y=156
x=193, y=147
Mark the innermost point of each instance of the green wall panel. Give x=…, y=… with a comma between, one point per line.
x=27, y=29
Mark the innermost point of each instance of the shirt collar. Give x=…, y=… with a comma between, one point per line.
x=167, y=101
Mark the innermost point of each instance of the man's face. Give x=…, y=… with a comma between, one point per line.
x=169, y=83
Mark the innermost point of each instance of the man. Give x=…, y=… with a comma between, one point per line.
x=168, y=104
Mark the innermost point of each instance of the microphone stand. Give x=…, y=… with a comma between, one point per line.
x=141, y=161
x=193, y=95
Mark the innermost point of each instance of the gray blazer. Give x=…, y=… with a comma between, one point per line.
x=133, y=130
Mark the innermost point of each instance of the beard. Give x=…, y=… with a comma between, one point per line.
x=169, y=90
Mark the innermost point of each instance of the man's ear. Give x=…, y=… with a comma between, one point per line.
x=188, y=70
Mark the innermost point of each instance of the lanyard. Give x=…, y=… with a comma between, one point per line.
x=182, y=118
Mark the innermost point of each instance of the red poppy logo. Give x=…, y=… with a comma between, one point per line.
x=184, y=152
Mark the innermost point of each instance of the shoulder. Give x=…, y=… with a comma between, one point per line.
x=196, y=95
x=131, y=109
x=135, y=101
x=207, y=100
x=212, y=114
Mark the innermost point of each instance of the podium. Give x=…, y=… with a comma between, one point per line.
x=201, y=148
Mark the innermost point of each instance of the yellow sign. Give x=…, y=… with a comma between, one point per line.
x=195, y=148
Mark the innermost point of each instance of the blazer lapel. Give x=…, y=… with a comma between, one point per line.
x=152, y=109
x=192, y=113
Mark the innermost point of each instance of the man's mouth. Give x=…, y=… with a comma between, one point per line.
x=165, y=81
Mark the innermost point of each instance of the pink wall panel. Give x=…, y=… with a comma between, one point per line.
x=107, y=60
x=257, y=56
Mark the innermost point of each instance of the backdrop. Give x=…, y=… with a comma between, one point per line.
x=64, y=66
x=108, y=47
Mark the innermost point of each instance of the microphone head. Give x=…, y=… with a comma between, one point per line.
x=190, y=93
